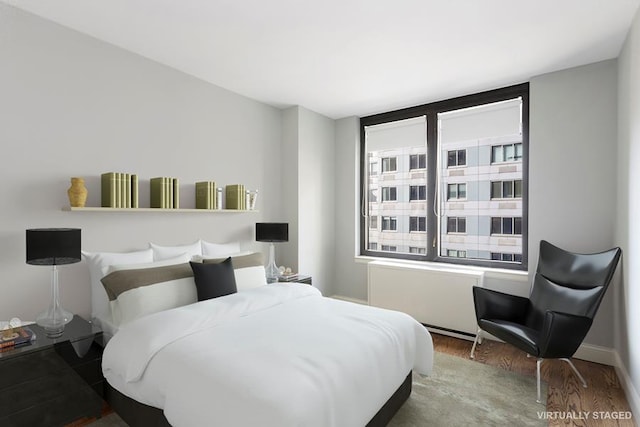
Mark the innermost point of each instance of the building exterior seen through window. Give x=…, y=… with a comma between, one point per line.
x=448, y=185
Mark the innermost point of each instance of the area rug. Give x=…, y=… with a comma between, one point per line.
x=459, y=392
x=462, y=392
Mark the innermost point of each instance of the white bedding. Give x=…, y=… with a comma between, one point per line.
x=278, y=355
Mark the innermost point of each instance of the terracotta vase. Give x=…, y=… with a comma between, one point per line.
x=77, y=193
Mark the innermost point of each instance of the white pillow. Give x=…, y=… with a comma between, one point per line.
x=166, y=252
x=181, y=259
x=139, y=292
x=248, y=269
x=219, y=250
x=99, y=263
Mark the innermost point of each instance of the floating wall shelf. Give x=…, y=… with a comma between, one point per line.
x=136, y=210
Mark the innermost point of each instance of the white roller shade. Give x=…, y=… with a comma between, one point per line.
x=399, y=134
x=486, y=121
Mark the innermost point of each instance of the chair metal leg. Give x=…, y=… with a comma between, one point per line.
x=584, y=383
x=478, y=340
x=538, y=363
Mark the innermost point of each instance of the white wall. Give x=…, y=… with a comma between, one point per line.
x=73, y=106
x=572, y=174
x=627, y=296
x=309, y=199
x=572, y=164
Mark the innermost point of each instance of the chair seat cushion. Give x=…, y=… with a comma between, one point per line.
x=526, y=339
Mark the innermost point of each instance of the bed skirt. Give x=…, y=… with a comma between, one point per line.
x=137, y=414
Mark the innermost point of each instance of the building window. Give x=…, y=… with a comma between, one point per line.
x=443, y=138
x=456, y=225
x=389, y=248
x=417, y=161
x=373, y=168
x=417, y=250
x=511, y=189
x=453, y=253
x=506, y=225
x=389, y=194
x=373, y=222
x=417, y=223
x=373, y=197
x=417, y=192
x=456, y=158
x=389, y=223
x=373, y=246
x=389, y=164
x=506, y=153
x=456, y=191
x=506, y=257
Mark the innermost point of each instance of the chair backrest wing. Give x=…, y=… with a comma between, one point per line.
x=569, y=283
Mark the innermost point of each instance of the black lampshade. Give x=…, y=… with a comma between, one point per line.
x=272, y=232
x=53, y=246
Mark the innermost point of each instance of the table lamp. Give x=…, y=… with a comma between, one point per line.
x=272, y=232
x=53, y=246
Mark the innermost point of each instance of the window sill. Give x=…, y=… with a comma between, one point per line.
x=491, y=272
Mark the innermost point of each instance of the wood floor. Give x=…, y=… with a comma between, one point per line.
x=566, y=394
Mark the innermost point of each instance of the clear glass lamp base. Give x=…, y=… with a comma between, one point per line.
x=53, y=323
x=55, y=317
x=271, y=270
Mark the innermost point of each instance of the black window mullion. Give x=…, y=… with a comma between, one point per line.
x=432, y=158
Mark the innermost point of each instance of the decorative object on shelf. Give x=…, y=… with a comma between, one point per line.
x=119, y=190
x=219, y=198
x=165, y=193
x=206, y=195
x=235, y=197
x=272, y=232
x=77, y=193
x=53, y=246
x=251, y=199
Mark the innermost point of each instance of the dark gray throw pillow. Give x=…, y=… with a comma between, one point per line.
x=214, y=280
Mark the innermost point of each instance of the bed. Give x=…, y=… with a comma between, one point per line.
x=270, y=355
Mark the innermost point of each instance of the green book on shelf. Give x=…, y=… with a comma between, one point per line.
x=108, y=190
x=157, y=194
x=176, y=193
x=134, y=190
x=233, y=198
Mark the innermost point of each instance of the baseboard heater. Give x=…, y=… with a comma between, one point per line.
x=437, y=297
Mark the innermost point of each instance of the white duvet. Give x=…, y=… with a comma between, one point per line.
x=279, y=355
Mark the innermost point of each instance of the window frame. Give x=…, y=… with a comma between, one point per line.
x=430, y=111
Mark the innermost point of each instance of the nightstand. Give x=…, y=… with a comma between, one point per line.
x=298, y=278
x=53, y=381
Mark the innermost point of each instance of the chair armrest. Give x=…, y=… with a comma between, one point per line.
x=562, y=334
x=492, y=304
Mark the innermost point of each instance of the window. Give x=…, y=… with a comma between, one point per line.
x=389, y=194
x=373, y=168
x=506, y=153
x=506, y=225
x=456, y=225
x=456, y=144
x=389, y=248
x=373, y=195
x=506, y=257
x=389, y=223
x=417, y=223
x=417, y=161
x=389, y=164
x=456, y=191
x=457, y=158
x=417, y=192
x=456, y=254
x=506, y=189
x=373, y=222
x=373, y=246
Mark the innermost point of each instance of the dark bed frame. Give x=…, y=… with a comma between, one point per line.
x=137, y=414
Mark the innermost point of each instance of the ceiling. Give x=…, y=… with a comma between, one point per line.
x=354, y=57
